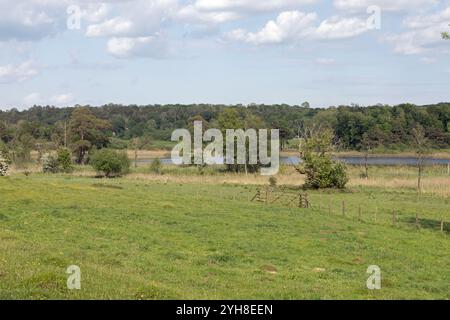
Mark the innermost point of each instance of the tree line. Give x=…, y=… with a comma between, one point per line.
x=83, y=128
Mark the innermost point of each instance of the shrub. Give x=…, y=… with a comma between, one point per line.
x=50, y=163
x=61, y=162
x=64, y=161
x=273, y=182
x=4, y=167
x=323, y=172
x=156, y=166
x=110, y=162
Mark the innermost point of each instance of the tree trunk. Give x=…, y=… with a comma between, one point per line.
x=366, y=166
x=419, y=176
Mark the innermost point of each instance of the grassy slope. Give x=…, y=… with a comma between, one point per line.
x=140, y=239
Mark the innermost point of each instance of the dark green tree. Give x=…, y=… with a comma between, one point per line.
x=86, y=132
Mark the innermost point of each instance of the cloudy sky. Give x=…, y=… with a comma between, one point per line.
x=327, y=52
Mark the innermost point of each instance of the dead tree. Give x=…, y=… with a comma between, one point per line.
x=421, y=145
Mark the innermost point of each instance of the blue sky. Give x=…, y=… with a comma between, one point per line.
x=223, y=51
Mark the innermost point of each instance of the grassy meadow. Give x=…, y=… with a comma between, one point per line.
x=185, y=235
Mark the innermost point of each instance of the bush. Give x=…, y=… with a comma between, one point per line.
x=61, y=162
x=65, y=161
x=156, y=166
x=4, y=167
x=323, y=172
x=273, y=182
x=318, y=165
x=50, y=163
x=110, y=162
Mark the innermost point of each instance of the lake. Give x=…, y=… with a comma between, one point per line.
x=352, y=160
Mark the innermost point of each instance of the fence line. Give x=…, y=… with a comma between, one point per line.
x=302, y=200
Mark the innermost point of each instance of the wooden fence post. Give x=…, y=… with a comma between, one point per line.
x=442, y=225
x=417, y=221
x=257, y=196
x=343, y=208
x=376, y=213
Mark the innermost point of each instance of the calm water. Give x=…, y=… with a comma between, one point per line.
x=376, y=161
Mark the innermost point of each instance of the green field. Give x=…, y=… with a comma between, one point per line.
x=141, y=239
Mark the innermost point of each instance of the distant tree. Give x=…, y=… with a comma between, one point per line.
x=22, y=143
x=43, y=146
x=136, y=146
x=58, y=134
x=86, y=132
x=231, y=119
x=118, y=126
x=20, y=130
x=156, y=166
x=370, y=140
x=110, y=163
x=205, y=127
x=321, y=170
x=252, y=121
x=285, y=131
x=64, y=160
x=421, y=144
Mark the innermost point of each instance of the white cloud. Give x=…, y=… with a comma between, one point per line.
x=388, y=5
x=296, y=25
x=192, y=14
x=423, y=34
x=95, y=12
x=289, y=25
x=29, y=20
x=16, y=73
x=113, y=27
x=426, y=21
x=340, y=28
x=152, y=46
x=416, y=41
x=250, y=5
x=137, y=31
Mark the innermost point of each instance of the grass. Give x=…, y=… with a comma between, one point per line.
x=145, y=238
